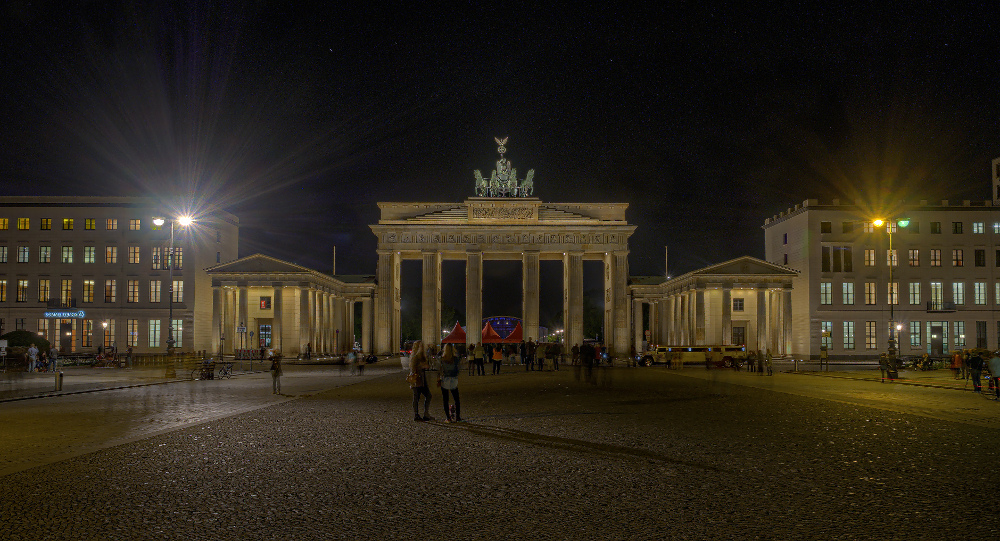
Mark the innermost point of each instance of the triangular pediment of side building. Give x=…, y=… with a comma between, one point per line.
x=745, y=265
x=258, y=263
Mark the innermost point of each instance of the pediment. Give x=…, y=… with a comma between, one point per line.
x=258, y=263
x=745, y=265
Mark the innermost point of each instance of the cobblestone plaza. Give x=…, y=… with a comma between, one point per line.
x=642, y=453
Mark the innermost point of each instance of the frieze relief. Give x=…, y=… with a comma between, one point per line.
x=578, y=238
x=503, y=213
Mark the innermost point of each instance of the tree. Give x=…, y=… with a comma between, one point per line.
x=24, y=339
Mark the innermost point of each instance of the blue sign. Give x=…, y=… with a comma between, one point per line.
x=78, y=314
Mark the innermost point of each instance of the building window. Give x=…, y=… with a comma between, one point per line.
x=981, y=334
x=869, y=227
x=133, y=254
x=3, y=226
x=67, y=224
x=218, y=257
x=66, y=293
x=133, y=290
x=937, y=294
x=154, y=333
x=870, y=292
x=154, y=291
x=826, y=334
x=871, y=338
x=132, y=326
x=826, y=227
x=825, y=293
x=112, y=224
x=265, y=303
x=893, y=296
x=178, y=327
x=88, y=290
x=891, y=258
x=935, y=258
x=111, y=254
x=110, y=291
x=978, y=227
x=848, y=290
x=90, y=224
x=3, y=290
x=935, y=228
x=89, y=254
x=134, y=224
x=869, y=257
x=23, y=224
x=784, y=238
x=996, y=294
x=43, y=290
x=23, y=254
x=43, y=328
x=3, y=254
x=46, y=224
x=847, y=227
x=157, y=258
x=914, y=257
x=785, y=259
x=959, y=327
x=914, y=292
x=979, y=293
x=980, y=258
x=956, y=228
x=848, y=335
x=957, y=259
x=109, y=332
x=67, y=254
x=178, y=258
x=87, y=333
x=177, y=291
x=958, y=292
x=915, y=337
x=737, y=304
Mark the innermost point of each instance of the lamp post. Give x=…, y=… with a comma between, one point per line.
x=890, y=225
x=184, y=221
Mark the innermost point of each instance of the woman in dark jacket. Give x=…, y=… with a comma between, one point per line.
x=448, y=381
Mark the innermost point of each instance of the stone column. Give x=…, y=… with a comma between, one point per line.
x=366, y=325
x=318, y=321
x=620, y=310
x=572, y=298
x=727, y=316
x=608, y=337
x=276, y=323
x=349, y=324
x=530, y=295
x=474, y=297
x=228, y=337
x=384, y=302
x=762, y=319
x=430, y=326
x=654, y=330
x=305, y=317
x=244, y=315
x=217, y=298
x=699, y=318
x=339, y=336
x=396, y=303
x=637, y=326
x=786, y=320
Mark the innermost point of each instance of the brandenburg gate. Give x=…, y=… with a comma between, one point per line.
x=503, y=223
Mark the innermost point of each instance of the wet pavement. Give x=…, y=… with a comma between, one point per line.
x=643, y=453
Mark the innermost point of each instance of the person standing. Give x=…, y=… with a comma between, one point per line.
x=418, y=381
x=522, y=350
x=994, y=365
x=54, y=359
x=448, y=381
x=497, y=359
x=976, y=371
x=530, y=360
x=478, y=357
x=32, y=357
x=276, y=374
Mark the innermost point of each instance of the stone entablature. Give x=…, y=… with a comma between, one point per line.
x=461, y=240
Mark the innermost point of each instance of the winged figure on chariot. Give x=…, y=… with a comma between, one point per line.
x=503, y=182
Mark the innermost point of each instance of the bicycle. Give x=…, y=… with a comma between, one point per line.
x=226, y=371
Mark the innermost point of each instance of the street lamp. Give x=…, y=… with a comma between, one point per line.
x=893, y=292
x=184, y=221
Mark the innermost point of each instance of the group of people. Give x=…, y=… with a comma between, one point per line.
x=40, y=361
x=447, y=381
x=532, y=355
x=970, y=363
x=758, y=362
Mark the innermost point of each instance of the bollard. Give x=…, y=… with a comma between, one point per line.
x=59, y=378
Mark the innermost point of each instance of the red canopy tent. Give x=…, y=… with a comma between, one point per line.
x=515, y=336
x=457, y=335
x=490, y=336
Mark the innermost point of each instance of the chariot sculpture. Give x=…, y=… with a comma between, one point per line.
x=503, y=182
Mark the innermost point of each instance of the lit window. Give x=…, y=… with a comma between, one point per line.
x=915, y=334
x=90, y=224
x=956, y=258
x=43, y=290
x=870, y=292
x=848, y=288
x=869, y=227
x=3, y=254
x=88, y=290
x=67, y=254
x=825, y=293
x=826, y=334
x=177, y=292
x=871, y=341
x=67, y=224
x=979, y=293
x=44, y=254
x=848, y=335
x=914, y=256
x=177, y=325
x=133, y=290
x=133, y=254
x=87, y=333
x=134, y=224
x=958, y=292
x=891, y=258
x=90, y=254
x=935, y=258
x=869, y=257
x=110, y=291
x=112, y=224
x=914, y=292
x=46, y=224
x=3, y=290
x=23, y=254
x=109, y=332
x=132, y=325
x=978, y=227
x=893, y=296
x=22, y=291
x=111, y=254
x=158, y=258
x=4, y=224
x=154, y=333
x=265, y=303
x=23, y=223
x=959, y=333
x=937, y=294
x=178, y=258
x=66, y=292
x=154, y=291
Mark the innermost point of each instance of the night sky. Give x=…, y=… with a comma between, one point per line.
x=705, y=119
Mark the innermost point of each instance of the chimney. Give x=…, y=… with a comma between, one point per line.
x=333, y=269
